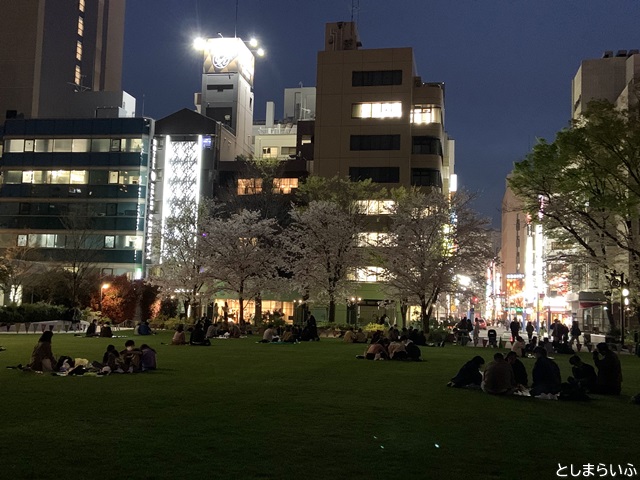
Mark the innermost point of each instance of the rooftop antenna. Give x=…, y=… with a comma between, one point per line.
x=235, y=29
x=355, y=8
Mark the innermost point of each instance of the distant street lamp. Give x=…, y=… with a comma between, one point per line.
x=102, y=289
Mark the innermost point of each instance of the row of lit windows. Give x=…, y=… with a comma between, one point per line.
x=252, y=186
x=73, y=145
x=79, y=50
x=272, y=152
x=420, y=114
x=73, y=177
x=375, y=207
x=54, y=240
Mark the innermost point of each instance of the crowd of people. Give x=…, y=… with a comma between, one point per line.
x=131, y=359
x=507, y=374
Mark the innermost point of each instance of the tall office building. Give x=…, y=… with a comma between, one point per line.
x=52, y=49
x=376, y=118
x=607, y=78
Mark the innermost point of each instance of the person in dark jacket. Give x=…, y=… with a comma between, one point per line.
x=583, y=373
x=546, y=374
x=514, y=326
x=42, y=359
x=469, y=374
x=529, y=329
x=519, y=370
x=609, y=371
x=197, y=336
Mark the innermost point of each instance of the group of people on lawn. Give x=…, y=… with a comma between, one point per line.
x=508, y=375
x=129, y=360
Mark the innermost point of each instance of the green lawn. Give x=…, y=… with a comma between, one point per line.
x=243, y=410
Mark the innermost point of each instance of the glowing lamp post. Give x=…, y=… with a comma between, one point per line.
x=102, y=289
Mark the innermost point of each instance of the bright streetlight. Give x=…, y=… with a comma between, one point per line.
x=102, y=289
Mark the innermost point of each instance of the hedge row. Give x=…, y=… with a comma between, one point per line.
x=34, y=312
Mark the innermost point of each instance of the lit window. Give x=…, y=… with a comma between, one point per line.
x=78, y=76
x=114, y=177
x=59, y=177
x=109, y=241
x=377, y=110
x=426, y=114
x=22, y=240
x=12, y=176
x=133, y=241
x=81, y=5
x=79, y=50
x=62, y=145
x=44, y=145
x=367, y=274
x=287, y=151
x=14, y=146
x=29, y=145
x=284, y=185
x=375, y=207
x=80, y=26
x=79, y=177
x=79, y=145
x=131, y=145
x=27, y=177
x=270, y=152
x=249, y=186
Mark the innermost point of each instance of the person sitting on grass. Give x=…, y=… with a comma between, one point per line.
x=112, y=360
x=528, y=349
x=397, y=349
x=148, y=358
x=144, y=329
x=375, y=338
x=413, y=351
x=546, y=374
x=469, y=375
x=519, y=371
x=91, y=329
x=131, y=357
x=609, y=371
x=197, y=337
x=361, y=337
x=105, y=331
x=518, y=346
x=548, y=346
x=270, y=335
x=583, y=373
x=288, y=336
x=42, y=359
x=378, y=351
x=349, y=336
x=179, y=338
x=498, y=378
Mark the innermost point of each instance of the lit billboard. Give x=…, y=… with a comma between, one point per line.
x=228, y=55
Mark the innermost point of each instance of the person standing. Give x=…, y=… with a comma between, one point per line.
x=530, y=329
x=575, y=333
x=514, y=326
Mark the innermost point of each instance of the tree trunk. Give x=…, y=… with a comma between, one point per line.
x=257, y=318
x=332, y=310
x=424, y=316
x=185, y=305
x=404, y=309
x=240, y=318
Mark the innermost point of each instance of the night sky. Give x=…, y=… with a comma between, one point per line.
x=507, y=64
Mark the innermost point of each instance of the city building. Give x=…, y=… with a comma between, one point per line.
x=76, y=190
x=376, y=119
x=51, y=50
x=612, y=78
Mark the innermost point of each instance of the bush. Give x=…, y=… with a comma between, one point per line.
x=32, y=312
x=372, y=327
x=437, y=335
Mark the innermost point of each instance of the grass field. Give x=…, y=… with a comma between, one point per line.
x=242, y=410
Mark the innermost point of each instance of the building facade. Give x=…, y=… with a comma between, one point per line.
x=77, y=189
x=51, y=50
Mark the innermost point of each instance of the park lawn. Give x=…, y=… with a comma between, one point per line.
x=244, y=410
